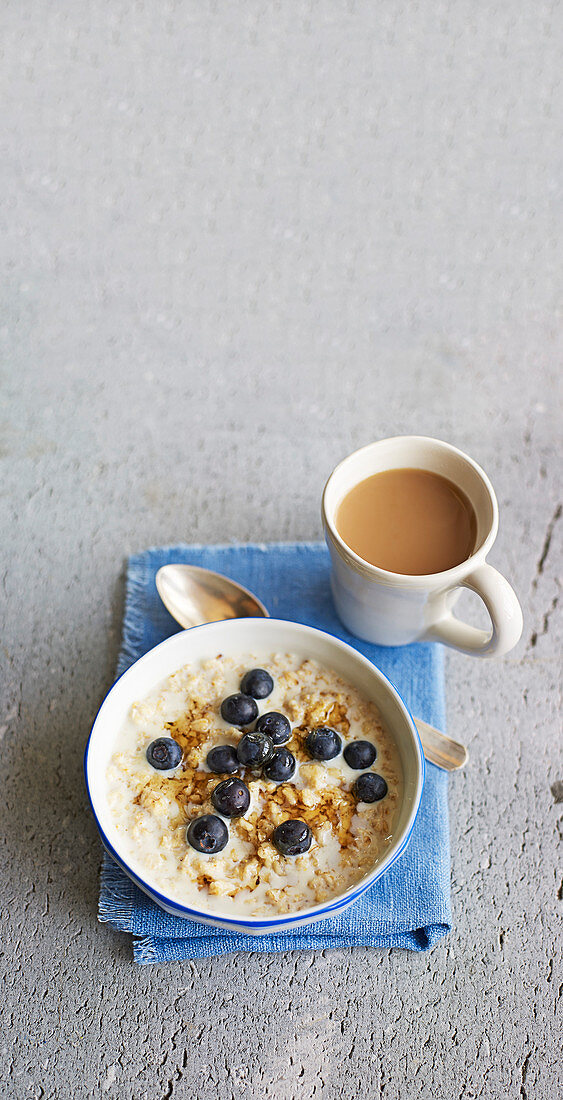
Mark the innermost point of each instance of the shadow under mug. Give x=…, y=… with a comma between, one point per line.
x=393, y=609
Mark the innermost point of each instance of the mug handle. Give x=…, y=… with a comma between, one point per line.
x=503, y=607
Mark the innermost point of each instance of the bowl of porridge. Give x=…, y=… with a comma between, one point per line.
x=254, y=775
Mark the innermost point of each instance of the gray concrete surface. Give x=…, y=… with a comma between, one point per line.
x=239, y=241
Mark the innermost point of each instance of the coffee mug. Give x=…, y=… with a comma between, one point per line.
x=393, y=609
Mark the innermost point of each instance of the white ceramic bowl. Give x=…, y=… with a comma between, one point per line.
x=234, y=638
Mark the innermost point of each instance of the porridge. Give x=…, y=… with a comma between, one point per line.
x=256, y=786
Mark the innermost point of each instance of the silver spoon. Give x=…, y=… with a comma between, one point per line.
x=195, y=596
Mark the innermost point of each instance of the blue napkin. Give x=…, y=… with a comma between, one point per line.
x=410, y=905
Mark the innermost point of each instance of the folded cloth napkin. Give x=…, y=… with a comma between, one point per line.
x=409, y=906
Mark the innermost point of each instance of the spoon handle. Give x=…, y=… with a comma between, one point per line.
x=440, y=749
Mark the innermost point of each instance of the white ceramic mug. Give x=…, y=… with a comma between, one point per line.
x=393, y=608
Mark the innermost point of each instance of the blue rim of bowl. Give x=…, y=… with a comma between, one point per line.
x=305, y=915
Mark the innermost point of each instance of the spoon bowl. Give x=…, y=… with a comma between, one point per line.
x=195, y=596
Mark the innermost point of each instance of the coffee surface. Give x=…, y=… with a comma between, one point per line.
x=408, y=521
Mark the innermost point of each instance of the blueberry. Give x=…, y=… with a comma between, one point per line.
x=360, y=754
x=231, y=797
x=275, y=725
x=208, y=834
x=280, y=766
x=223, y=758
x=254, y=749
x=258, y=683
x=239, y=709
x=164, y=753
x=291, y=838
x=370, y=787
x=323, y=743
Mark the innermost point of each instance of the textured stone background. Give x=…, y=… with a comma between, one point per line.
x=242, y=240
